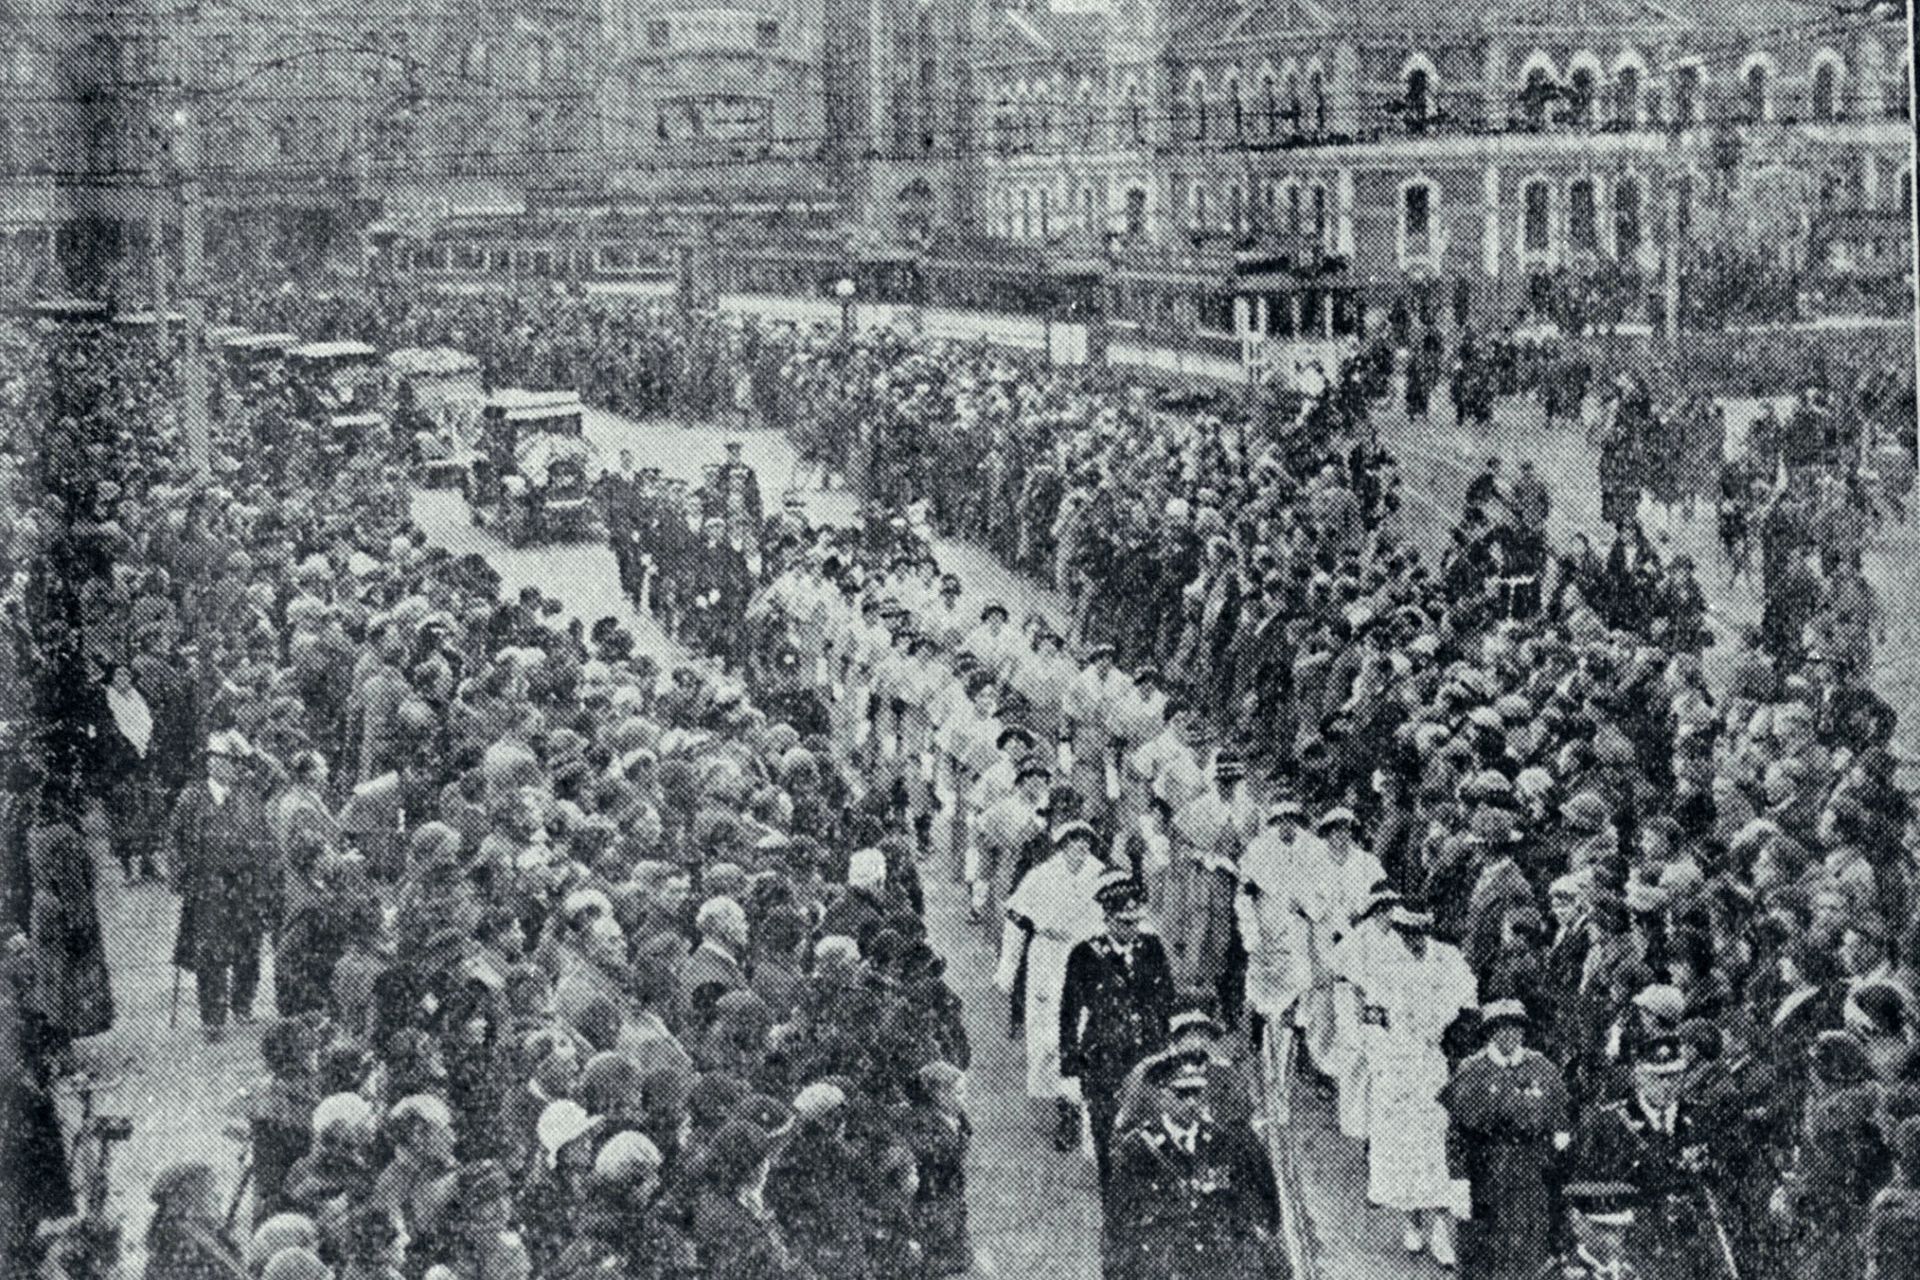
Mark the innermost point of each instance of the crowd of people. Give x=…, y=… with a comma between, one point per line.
x=582, y=966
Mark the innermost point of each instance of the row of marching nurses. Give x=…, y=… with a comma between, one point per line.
x=1142, y=887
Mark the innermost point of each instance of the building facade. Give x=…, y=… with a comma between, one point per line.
x=1463, y=161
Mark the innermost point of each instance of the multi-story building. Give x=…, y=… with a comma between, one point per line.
x=304, y=120
x=1277, y=168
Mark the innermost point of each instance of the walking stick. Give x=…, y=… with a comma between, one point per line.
x=240, y=1188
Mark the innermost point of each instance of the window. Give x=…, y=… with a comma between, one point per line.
x=1136, y=212
x=1580, y=94
x=1236, y=210
x=1320, y=215
x=1089, y=215
x=1683, y=204
x=1295, y=224
x=1200, y=121
x=1046, y=213
x=1581, y=230
x=1089, y=116
x=659, y=33
x=1419, y=105
x=1317, y=90
x=1626, y=218
x=1026, y=215
x=1626, y=98
x=1686, y=96
x=1200, y=211
x=1136, y=118
x=1296, y=121
x=1416, y=216
x=766, y=33
x=1269, y=106
x=1535, y=98
x=1236, y=112
x=1536, y=233
x=1755, y=105
x=1823, y=91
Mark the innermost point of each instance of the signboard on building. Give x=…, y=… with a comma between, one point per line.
x=716, y=117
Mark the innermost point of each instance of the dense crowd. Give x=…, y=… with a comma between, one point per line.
x=580, y=965
x=561, y=985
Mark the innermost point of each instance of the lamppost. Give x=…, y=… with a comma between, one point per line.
x=844, y=289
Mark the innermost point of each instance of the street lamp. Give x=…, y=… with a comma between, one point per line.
x=844, y=289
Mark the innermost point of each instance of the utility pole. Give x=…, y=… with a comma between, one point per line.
x=193, y=300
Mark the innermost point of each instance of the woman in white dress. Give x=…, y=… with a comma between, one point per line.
x=1411, y=987
x=1050, y=911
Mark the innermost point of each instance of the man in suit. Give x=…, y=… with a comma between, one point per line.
x=715, y=963
x=1652, y=1142
x=620, y=491
x=1200, y=1196
x=218, y=840
x=1114, y=1007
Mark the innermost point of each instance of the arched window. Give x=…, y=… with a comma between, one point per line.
x=1580, y=93
x=1626, y=218
x=1535, y=97
x=1046, y=213
x=1269, y=106
x=1319, y=215
x=1686, y=96
x=1297, y=119
x=1626, y=98
x=1200, y=121
x=1136, y=211
x=1236, y=209
x=1199, y=207
x=1755, y=86
x=1089, y=116
x=1295, y=223
x=1582, y=228
x=1824, y=81
x=1136, y=116
x=1536, y=230
x=1317, y=91
x=1419, y=97
x=1236, y=108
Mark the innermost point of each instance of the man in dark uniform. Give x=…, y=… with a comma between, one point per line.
x=733, y=497
x=1114, y=1006
x=675, y=550
x=1199, y=1195
x=1654, y=1144
x=1599, y=1214
x=620, y=492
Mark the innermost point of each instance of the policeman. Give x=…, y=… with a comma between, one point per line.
x=1600, y=1215
x=1652, y=1142
x=1114, y=1007
x=1199, y=1195
x=620, y=497
x=733, y=497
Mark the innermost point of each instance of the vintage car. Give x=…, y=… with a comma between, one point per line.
x=437, y=402
x=533, y=475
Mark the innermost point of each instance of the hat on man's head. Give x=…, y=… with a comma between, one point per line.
x=1660, y=1056
x=992, y=607
x=1183, y=1073
x=1604, y=1204
x=1119, y=891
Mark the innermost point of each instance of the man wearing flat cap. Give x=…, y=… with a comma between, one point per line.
x=218, y=840
x=1114, y=1006
x=1198, y=1192
x=1599, y=1214
x=1652, y=1142
x=1507, y=1123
